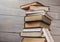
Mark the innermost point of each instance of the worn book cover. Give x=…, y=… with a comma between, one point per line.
x=34, y=40
x=36, y=24
x=38, y=18
x=38, y=13
x=32, y=30
x=25, y=7
x=31, y=34
x=34, y=8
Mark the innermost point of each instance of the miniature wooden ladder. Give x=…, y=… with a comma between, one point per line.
x=47, y=35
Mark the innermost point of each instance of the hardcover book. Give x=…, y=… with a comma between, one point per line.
x=36, y=24
x=32, y=30
x=38, y=13
x=31, y=34
x=35, y=8
x=34, y=40
x=38, y=18
x=25, y=7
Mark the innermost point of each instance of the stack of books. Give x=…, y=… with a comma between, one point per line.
x=36, y=18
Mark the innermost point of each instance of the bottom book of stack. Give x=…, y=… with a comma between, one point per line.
x=34, y=40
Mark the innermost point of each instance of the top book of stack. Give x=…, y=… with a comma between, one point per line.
x=34, y=6
x=26, y=6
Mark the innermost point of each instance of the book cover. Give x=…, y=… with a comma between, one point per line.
x=38, y=13
x=31, y=34
x=25, y=7
x=38, y=18
x=36, y=24
x=34, y=8
x=34, y=40
x=32, y=30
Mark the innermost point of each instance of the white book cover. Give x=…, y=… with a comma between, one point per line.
x=31, y=34
x=36, y=14
x=32, y=30
x=39, y=8
x=38, y=11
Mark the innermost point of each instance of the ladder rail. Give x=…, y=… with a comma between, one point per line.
x=47, y=35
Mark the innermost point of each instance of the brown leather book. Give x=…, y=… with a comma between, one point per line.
x=34, y=40
x=36, y=24
x=41, y=18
